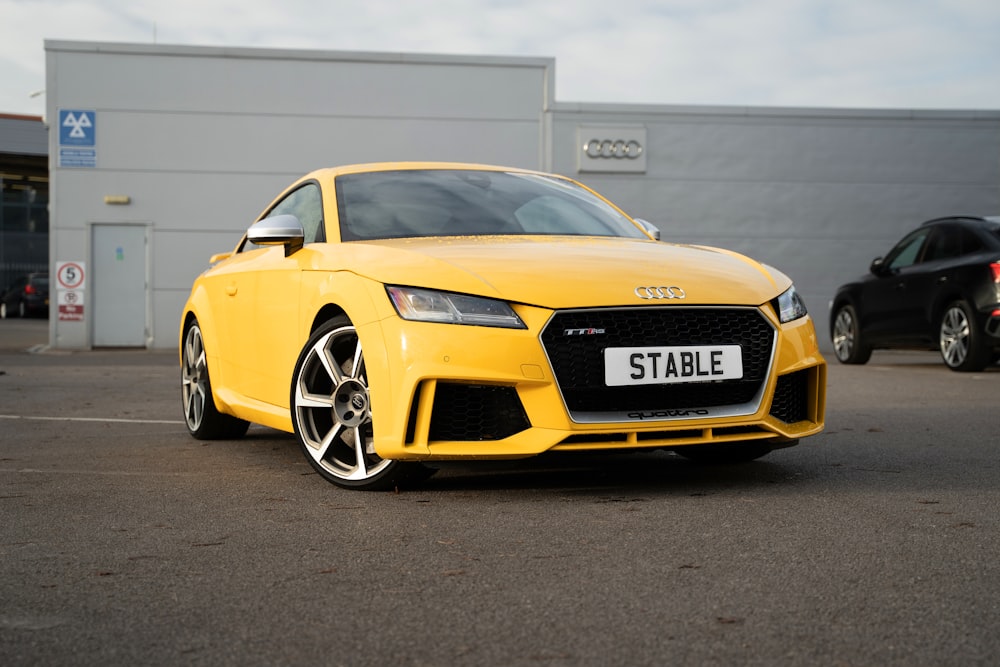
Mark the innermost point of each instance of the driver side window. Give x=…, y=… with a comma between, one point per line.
x=907, y=252
x=306, y=204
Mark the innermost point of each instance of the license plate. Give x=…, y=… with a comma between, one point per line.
x=669, y=365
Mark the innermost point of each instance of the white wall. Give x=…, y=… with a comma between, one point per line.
x=817, y=193
x=201, y=139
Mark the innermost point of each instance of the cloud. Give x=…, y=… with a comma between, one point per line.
x=812, y=53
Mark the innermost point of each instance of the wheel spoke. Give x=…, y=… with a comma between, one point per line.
x=355, y=372
x=361, y=469
x=309, y=400
x=195, y=404
x=324, y=446
x=325, y=357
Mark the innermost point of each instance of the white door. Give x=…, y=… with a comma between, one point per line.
x=118, y=290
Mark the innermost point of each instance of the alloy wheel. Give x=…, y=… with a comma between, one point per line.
x=332, y=408
x=955, y=336
x=194, y=378
x=843, y=334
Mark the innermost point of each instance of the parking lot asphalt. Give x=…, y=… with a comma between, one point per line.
x=124, y=541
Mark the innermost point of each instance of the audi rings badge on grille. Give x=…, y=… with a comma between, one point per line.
x=660, y=292
x=617, y=149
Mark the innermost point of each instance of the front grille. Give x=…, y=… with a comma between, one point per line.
x=578, y=360
x=469, y=412
x=791, y=396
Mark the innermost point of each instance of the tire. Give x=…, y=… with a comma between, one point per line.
x=845, y=334
x=331, y=413
x=724, y=453
x=203, y=419
x=22, y=310
x=963, y=346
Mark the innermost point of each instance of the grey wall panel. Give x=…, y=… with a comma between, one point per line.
x=201, y=139
x=167, y=306
x=249, y=143
x=816, y=194
x=306, y=83
x=22, y=135
x=174, y=200
x=182, y=255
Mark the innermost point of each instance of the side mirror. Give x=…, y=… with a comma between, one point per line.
x=283, y=230
x=649, y=228
x=878, y=266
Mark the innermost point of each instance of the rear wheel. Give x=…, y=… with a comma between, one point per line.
x=963, y=346
x=846, y=337
x=332, y=416
x=203, y=420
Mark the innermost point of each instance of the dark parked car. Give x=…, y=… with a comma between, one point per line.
x=938, y=288
x=27, y=295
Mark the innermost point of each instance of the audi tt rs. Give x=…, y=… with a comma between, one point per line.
x=395, y=315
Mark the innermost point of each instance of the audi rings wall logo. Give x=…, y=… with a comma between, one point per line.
x=614, y=149
x=611, y=149
x=660, y=292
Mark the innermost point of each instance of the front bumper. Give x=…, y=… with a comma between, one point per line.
x=455, y=392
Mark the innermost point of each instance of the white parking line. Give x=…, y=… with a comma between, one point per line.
x=94, y=419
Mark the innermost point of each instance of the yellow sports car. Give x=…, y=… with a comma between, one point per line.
x=392, y=315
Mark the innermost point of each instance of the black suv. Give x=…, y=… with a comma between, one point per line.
x=28, y=295
x=938, y=288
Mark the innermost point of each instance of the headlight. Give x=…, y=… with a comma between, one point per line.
x=424, y=305
x=790, y=306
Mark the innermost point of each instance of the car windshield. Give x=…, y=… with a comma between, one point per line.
x=410, y=203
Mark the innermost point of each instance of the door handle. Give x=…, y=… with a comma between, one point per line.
x=231, y=289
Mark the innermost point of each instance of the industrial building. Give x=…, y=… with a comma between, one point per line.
x=160, y=156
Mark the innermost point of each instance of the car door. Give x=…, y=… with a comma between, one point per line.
x=890, y=302
x=941, y=264
x=270, y=302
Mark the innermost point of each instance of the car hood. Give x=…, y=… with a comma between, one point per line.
x=563, y=272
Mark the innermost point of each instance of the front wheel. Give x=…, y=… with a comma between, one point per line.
x=963, y=346
x=332, y=416
x=846, y=337
x=203, y=420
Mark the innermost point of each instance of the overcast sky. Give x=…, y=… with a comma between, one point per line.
x=911, y=54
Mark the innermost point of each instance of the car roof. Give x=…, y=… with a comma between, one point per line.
x=974, y=219
x=986, y=222
x=411, y=166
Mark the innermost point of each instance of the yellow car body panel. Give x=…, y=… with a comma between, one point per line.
x=258, y=307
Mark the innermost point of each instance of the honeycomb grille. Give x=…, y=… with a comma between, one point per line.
x=468, y=412
x=791, y=397
x=578, y=360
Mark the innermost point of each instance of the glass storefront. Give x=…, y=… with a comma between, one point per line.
x=24, y=215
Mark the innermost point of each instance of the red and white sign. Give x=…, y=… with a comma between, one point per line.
x=70, y=305
x=70, y=275
x=71, y=278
